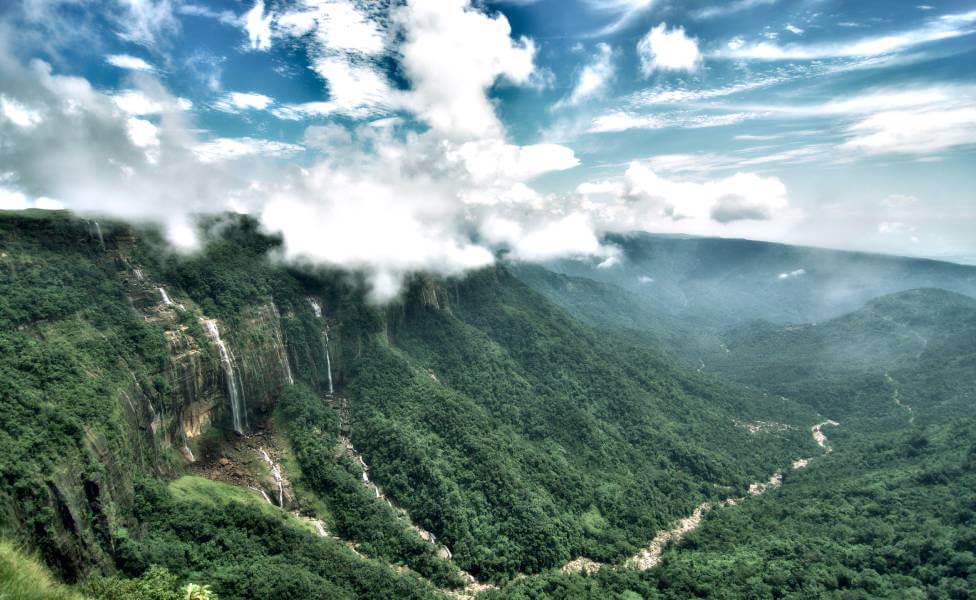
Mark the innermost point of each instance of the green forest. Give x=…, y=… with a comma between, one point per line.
x=481, y=432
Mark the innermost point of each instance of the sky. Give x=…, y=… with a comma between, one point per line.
x=401, y=135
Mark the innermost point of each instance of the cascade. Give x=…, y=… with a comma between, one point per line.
x=282, y=351
x=98, y=232
x=317, y=309
x=238, y=406
x=166, y=299
x=276, y=473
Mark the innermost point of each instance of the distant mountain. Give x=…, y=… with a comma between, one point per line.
x=729, y=281
x=904, y=358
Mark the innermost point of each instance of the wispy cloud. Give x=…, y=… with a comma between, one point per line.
x=721, y=10
x=621, y=12
x=668, y=49
x=236, y=102
x=128, y=62
x=939, y=28
x=593, y=79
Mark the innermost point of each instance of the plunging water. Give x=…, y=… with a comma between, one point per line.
x=317, y=309
x=166, y=299
x=98, y=232
x=276, y=473
x=282, y=351
x=238, y=408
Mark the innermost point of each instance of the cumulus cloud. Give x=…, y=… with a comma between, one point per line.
x=453, y=54
x=384, y=195
x=258, y=27
x=668, y=50
x=643, y=198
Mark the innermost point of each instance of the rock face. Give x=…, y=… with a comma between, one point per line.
x=163, y=413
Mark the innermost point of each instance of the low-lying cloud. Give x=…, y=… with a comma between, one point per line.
x=427, y=180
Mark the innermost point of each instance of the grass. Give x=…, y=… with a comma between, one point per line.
x=25, y=578
x=191, y=488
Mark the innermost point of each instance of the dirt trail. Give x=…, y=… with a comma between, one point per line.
x=650, y=555
x=896, y=397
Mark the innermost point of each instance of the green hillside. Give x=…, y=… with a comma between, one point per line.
x=902, y=359
x=488, y=416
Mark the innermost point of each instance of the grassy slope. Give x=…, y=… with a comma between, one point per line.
x=25, y=578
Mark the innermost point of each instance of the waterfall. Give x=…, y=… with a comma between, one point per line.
x=238, y=407
x=317, y=309
x=328, y=360
x=98, y=232
x=282, y=351
x=276, y=473
x=139, y=275
x=168, y=301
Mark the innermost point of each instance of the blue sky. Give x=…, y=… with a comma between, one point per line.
x=442, y=130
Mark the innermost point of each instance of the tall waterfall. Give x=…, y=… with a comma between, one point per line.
x=166, y=299
x=238, y=407
x=98, y=232
x=317, y=309
x=282, y=351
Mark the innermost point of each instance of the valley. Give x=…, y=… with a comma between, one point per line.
x=220, y=416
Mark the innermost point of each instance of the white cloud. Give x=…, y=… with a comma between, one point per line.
x=452, y=54
x=792, y=274
x=338, y=25
x=622, y=121
x=669, y=50
x=593, y=78
x=913, y=132
x=233, y=148
x=793, y=29
x=618, y=121
x=19, y=114
x=939, y=28
x=138, y=102
x=730, y=7
x=492, y=160
x=128, y=62
x=258, y=27
x=623, y=13
x=144, y=21
x=643, y=197
x=234, y=102
x=13, y=200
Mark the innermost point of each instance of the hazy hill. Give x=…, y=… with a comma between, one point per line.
x=728, y=281
x=905, y=358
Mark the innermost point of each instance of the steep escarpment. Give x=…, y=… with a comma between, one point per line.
x=110, y=372
x=510, y=437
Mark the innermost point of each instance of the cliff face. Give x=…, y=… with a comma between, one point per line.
x=75, y=503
